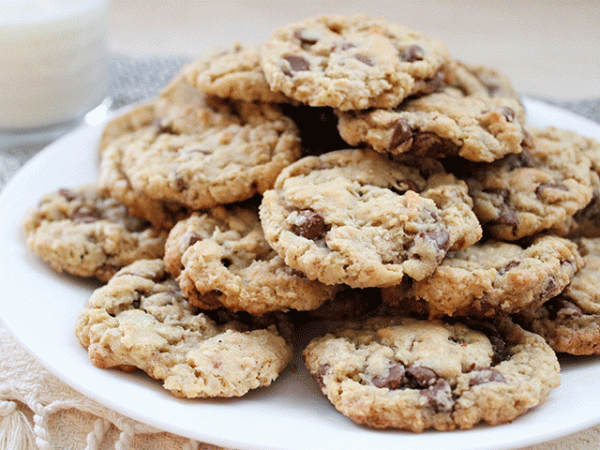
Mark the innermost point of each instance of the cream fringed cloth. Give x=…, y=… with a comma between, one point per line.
x=38, y=411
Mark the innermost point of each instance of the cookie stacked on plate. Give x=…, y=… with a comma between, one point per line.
x=347, y=170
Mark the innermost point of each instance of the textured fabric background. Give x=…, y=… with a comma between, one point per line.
x=38, y=411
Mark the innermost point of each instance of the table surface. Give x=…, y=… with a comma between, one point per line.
x=548, y=48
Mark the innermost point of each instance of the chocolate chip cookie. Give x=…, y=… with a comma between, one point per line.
x=221, y=258
x=570, y=322
x=540, y=188
x=228, y=151
x=141, y=320
x=440, y=124
x=358, y=218
x=353, y=62
x=81, y=231
x=493, y=278
x=414, y=375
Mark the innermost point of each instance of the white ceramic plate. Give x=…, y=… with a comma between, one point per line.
x=40, y=307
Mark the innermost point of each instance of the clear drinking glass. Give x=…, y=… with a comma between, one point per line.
x=53, y=67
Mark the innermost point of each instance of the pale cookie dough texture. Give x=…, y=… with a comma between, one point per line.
x=140, y=319
x=540, y=188
x=233, y=73
x=586, y=222
x=114, y=183
x=206, y=151
x=81, y=231
x=358, y=218
x=127, y=122
x=483, y=81
x=445, y=123
x=493, y=278
x=221, y=258
x=410, y=374
x=570, y=322
x=353, y=62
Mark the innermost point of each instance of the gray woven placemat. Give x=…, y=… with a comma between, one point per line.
x=137, y=78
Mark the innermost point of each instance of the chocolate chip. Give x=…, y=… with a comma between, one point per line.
x=201, y=151
x=434, y=84
x=180, y=184
x=394, y=378
x=423, y=376
x=297, y=63
x=456, y=340
x=68, y=194
x=440, y=237
x=507, y=216
x=486, y=376
x=310, y=225
x=431, y=143
x=426, y=140
x=522, y=159
x=492, y=89
x=539, y=191
x=85, y=214
x=163, y=128
x=509, y=113
x=551, y=289
x=507, y=267
x=402, y=133
x=561, y=307
x=591, y=211
x=304, y=38
x=320, y=374
x=365, y=60
x=413, y=53
x=210, y=299
x=161, y=277
x=341, y=46
x=500, y=347
x=401, y=186
x=136, y=303
x=439, y=396
x=193, y=237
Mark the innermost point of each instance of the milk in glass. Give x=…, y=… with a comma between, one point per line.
x=52, y=62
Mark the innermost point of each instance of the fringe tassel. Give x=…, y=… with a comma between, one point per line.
x=16, y=432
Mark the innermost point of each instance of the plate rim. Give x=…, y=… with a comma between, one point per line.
x=216, y=438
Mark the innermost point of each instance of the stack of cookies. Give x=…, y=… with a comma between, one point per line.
x=347, y=170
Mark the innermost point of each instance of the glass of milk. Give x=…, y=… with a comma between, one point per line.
x=53, y=67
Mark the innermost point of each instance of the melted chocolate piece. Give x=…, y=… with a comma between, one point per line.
x=310, y=225
x=412, y=54
x=297, y=63
x=394, y=379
